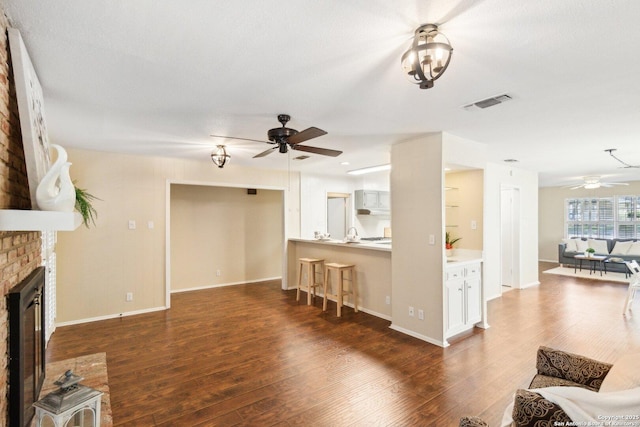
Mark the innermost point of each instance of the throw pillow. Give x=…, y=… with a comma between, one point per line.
x=624, y=374
x=582, y=245
x=621, y=248
x=571, y=245
x=634, y=249
x=531, y=409
x=599, y=245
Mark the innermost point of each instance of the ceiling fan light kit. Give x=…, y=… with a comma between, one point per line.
x=220, y=156
x=593, y=182
x=428, y=57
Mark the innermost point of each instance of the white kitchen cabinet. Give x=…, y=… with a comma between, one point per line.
x=463, y=294
x=373, y=200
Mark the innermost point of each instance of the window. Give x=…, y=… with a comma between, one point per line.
x=604, y=217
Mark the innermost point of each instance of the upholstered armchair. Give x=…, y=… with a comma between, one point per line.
x=555, y=368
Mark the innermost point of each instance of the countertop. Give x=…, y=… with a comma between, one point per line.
x=381, y=245
x=463, y=257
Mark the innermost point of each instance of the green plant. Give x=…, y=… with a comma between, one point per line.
x=84, y=205
x=590, y=250
x=448, y=241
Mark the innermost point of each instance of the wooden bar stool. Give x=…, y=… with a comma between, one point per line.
x=340, y=270
x=313, y=266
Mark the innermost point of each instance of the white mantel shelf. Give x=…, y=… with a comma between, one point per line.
x=30, y=220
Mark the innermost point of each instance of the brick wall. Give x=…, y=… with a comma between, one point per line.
x=19, y=250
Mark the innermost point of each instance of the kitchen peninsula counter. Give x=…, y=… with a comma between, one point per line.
x=373, y=269
x=383, y=245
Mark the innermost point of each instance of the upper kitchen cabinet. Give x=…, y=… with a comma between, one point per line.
x=372, y=201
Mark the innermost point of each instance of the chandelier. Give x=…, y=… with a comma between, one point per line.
x=220, y=156
x=428, y=57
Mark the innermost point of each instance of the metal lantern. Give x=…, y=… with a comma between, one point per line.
x=220, y=156
x=428, y=57
x=71, y=405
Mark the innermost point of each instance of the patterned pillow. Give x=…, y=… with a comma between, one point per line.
x=472, y=422
x=531, y=409
x=573, y=367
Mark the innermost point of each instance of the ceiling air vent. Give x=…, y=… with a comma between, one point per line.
x=300, y=157
x=489, y=102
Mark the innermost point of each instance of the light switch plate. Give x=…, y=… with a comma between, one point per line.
x=432, y=239
x=132, y=224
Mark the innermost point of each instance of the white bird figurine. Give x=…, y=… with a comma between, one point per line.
x=56, y=191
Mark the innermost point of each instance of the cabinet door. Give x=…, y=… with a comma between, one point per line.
x=473, y=300
x=384, y=200
x=455, y=306
x=370, y=199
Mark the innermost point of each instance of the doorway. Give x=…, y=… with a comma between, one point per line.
x=337, y=214
x=510, y=238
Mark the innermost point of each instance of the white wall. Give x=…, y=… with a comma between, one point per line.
x=417, y=208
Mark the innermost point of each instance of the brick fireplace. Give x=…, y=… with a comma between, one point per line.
x=19, y=250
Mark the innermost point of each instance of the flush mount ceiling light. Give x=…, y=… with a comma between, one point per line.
x=428, y=57
x=220, y=156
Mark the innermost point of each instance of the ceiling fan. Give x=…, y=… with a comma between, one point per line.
x=284, y=138
x=625, y=164
x=592, y=182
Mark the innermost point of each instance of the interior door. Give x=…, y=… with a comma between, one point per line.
x=337, y=217
x=509, y=236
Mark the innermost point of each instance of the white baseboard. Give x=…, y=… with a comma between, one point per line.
x=549, y=260
x=419, y=336
x=221, y=285
x=529, y=285
x=110, y=316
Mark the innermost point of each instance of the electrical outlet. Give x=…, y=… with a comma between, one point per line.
x=387, y=300
x=129, y=296
x=218, y=273
x=411, y=311
x=421, y=314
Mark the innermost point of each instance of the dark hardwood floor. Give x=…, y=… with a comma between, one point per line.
x=250, y=355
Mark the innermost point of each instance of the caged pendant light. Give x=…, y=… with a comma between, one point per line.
x=220, y=156
x=428, y=57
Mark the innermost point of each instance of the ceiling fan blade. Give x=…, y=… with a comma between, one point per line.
x=612, y=184
x=316, y=150
x=306, y=135
x=266, y=152
x=242, y=139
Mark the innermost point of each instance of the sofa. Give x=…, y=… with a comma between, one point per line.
x=622, y=249
x=560, y=368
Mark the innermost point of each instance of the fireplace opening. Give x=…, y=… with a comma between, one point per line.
x=25, y=304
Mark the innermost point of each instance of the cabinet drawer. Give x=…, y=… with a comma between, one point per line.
x=473, y=270
x=455, y=273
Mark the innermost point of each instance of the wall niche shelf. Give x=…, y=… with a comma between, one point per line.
x=32, y=220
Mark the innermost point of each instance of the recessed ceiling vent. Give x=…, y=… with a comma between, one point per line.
x=489, y=102
x=300, y=157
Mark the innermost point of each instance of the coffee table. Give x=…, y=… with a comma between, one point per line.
x=594, y=261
